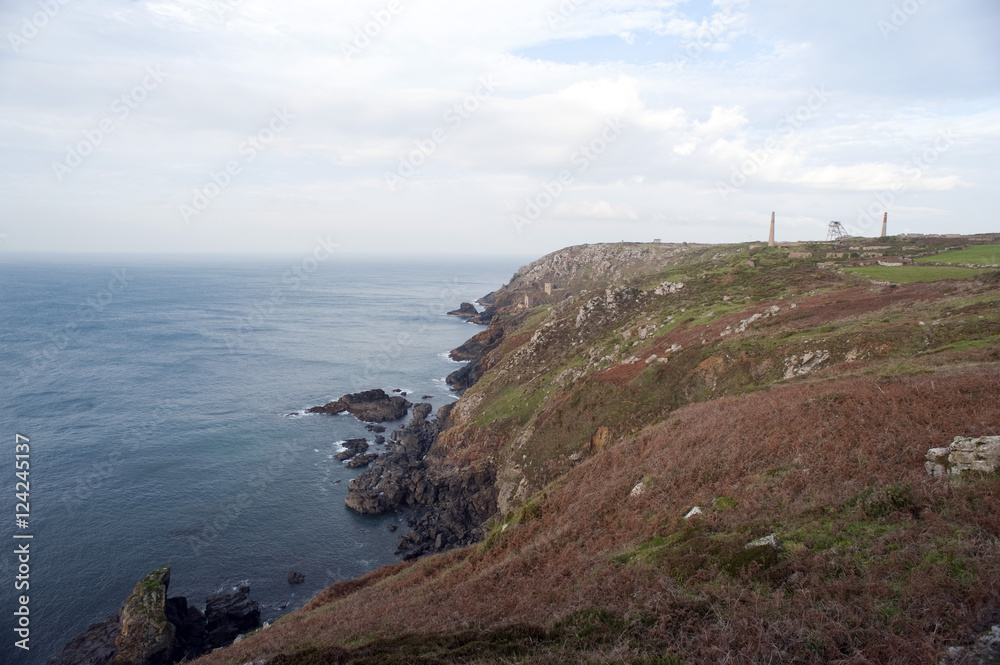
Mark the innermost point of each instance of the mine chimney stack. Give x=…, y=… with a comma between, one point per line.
x=885, y=221
x=770, y=238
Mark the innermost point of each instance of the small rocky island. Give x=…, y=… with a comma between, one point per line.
x=372, y=406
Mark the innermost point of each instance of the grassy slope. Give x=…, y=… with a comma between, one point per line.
x=879, y=564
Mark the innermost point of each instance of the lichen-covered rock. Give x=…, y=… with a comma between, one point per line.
x=964, y=454
x=146, y=637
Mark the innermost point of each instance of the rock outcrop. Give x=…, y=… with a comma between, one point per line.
x=964, y=454
x=189, y=640
x=152, y=629
x=360, y=461
x=373, y=406
x=475, y=351
x=146, y=637
x=352, y=447
x=228, y=615
x=466, y=310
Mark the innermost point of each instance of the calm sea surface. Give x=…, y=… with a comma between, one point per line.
x=157, y=393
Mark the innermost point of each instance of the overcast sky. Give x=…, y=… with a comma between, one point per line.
x=423, y=126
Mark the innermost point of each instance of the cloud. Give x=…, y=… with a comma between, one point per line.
x=371, y=82
x=596, y=210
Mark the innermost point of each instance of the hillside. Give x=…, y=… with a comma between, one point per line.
x=790, y=392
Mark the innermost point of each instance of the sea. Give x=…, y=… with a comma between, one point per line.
x=160, y=404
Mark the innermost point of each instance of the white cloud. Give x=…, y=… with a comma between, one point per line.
x=231, y=63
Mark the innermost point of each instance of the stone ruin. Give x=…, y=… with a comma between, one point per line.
x=964, y=454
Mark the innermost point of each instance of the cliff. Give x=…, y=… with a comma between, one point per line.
x=790, y=394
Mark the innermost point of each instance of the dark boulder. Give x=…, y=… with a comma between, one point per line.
x=420, y=412
x=352, y=447
x=296, y=578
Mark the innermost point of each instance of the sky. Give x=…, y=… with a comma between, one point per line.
x=464, y=127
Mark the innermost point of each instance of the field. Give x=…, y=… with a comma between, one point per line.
x=908, y=274
x=980, y=255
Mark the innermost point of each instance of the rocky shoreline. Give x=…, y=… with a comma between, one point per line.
x=449, y=504
x=152, y=629
x=447, y=507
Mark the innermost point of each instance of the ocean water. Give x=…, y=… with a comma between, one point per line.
x=163, y=401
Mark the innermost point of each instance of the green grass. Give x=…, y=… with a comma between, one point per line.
x=980, y=255
x=908, y=274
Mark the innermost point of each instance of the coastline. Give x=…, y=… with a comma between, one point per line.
x=187, y=583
